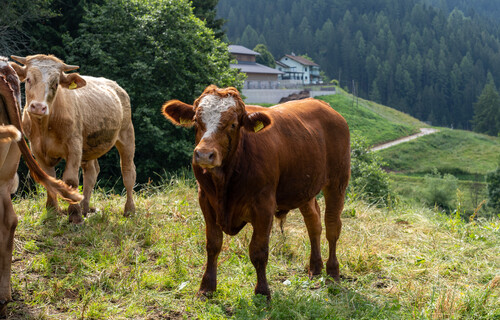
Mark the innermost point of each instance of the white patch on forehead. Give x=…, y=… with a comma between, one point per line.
x=211, y=108
x=3, y=63
x=46, y=68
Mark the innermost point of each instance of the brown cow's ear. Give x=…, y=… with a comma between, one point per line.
x=72, y=81
x=256, y=121
x=179, y=113
x=20, y=70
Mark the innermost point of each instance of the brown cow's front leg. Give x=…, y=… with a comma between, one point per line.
x=259, y=249
x=70, y=176
x=214, y=244
x=8, y=224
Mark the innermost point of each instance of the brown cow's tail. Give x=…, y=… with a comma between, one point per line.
x=52, y=185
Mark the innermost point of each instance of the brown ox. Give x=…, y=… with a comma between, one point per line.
x=253, y=163
x=10, y=131
x=79, y=119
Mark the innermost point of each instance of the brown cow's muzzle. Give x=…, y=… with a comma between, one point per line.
x=206, y=158
x=38, y=108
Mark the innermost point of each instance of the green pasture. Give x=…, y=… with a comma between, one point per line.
x=377, y=123
x=466, y=155
x=400, y=262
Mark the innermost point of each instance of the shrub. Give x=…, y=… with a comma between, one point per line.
x=493, y=180
x=368, y=180
x=440, y=190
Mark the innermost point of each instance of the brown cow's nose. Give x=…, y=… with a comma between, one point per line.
x=204, y=157
x=38, y=108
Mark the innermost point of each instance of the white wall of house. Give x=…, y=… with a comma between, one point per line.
x=274, y=96
x=298, y=67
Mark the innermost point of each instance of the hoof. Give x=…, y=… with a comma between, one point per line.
x=204, y=295
x=3, y=309
x=129, y=210
x=75, y=215
x=315, y=270
x=264, y=292
x=76, y=219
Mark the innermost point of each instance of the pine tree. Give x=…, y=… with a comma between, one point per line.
x=487, y=109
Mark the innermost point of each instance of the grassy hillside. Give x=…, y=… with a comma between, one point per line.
x=396, y=263
x=461, y=153
x=375, y=122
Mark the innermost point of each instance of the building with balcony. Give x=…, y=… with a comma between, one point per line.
x=297, y=71
x=258, y=76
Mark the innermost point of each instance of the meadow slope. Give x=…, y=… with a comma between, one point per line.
x=400, y=262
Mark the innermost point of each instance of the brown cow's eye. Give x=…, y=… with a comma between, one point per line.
x=28, y=80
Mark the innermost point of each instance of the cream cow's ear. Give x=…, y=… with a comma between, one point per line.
x=72, y=81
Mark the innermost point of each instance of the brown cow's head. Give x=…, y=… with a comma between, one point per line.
x=43, y=76
x=217, y=115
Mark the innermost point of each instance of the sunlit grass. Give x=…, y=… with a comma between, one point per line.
x=401, y=262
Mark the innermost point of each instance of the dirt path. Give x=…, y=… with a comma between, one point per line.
x=423, y=132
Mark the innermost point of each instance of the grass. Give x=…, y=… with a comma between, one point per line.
x=400, y=262
x=377, y=123
x=461, y=153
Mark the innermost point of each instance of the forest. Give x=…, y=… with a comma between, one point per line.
x=430, y=59
x=156, y=50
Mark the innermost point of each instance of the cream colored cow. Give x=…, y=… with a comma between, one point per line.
x=78, y=119
x=10, y=151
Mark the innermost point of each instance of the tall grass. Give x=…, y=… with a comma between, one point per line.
x=400, y=262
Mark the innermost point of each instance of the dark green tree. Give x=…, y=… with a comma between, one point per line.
x=265, y=57
x=15, y=16
x=487, y=110
x=249, y=38
x=156, y=50
x=206, y=11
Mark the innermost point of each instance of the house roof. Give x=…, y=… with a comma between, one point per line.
x=281, y=64
x=236, y=49
x=301, y=60
x=254, y=68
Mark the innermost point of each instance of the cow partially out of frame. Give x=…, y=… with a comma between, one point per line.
x=12, y=145
x=254, y=163
x=78, y=119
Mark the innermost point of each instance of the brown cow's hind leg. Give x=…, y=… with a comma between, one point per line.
x=334, y=199
x=312, y=219
x=8, y=224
